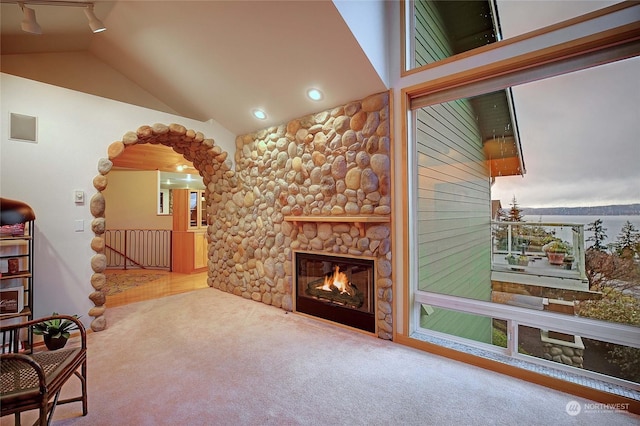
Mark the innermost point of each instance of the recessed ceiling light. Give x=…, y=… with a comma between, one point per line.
x=259, y=114
x=314, y=94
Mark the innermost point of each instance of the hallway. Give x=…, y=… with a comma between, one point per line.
x=170, y=284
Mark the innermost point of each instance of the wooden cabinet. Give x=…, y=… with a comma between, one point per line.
x=190, y=245
x=189, y=210
x=200, y=247
x=189, y=251
x=16, y=282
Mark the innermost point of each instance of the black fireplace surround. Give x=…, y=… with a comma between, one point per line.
x=336, y=288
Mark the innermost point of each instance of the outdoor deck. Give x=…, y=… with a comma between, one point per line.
x=538, y=272
x=516, y=238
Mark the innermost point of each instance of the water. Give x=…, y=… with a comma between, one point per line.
x=612, y=224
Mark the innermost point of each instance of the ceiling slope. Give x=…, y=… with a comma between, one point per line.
x=214, y=59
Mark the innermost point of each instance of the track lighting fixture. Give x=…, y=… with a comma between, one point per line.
x=30, y=25
x=96, y=25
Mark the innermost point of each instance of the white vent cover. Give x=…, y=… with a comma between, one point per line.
x=23, y=127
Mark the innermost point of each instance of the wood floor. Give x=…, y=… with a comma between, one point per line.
x=171, y=283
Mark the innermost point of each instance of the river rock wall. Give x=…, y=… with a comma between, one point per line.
x=332, y=163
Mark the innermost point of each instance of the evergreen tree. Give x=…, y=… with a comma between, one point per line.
x=628, y=242
x=501, y=216
x=515, y=212
x=598, y=236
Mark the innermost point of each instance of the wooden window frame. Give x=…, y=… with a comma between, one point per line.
x=432, y=84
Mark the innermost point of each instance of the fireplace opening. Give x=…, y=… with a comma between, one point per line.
x=336, y=288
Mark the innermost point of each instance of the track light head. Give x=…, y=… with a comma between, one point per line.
x=29, y=23
x=96, y=25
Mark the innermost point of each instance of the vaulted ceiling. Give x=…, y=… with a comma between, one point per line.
x=205, y=59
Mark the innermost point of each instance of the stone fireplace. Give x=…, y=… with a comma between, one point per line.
x=320, y=183
x=336, y=288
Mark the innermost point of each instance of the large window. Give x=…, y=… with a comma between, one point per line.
x=484, y=271
x=443, y=28
x=575, y=158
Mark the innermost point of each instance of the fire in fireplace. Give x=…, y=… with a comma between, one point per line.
x=336, y=288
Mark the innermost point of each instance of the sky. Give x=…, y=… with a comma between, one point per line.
x=580, y=133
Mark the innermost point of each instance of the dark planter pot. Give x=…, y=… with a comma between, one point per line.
x=53, y=343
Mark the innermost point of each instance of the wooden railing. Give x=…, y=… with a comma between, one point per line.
x=138, y=248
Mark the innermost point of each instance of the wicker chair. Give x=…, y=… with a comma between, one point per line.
x=33, y=380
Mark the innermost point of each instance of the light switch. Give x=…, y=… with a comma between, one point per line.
x=78, y=197
x=79, y=225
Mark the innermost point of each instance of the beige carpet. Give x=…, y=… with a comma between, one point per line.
x=211, y=358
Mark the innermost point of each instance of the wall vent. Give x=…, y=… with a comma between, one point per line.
x=23, y=127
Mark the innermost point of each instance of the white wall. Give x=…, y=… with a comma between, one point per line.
x=368, y=22
x=74, y=131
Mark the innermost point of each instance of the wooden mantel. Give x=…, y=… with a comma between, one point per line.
x=359, y=221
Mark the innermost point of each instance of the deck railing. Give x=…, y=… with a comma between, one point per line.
x=138, y=248
x=520, y=248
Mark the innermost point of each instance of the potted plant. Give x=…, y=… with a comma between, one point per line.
x=523, y=260
x=55, y=331
x=556, y=251
x=520, y=260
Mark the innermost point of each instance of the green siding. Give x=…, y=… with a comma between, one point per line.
x=453, y=215
x=431, y=44
x=459, y=324
x=445, y=28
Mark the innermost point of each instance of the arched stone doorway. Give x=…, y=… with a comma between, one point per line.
x=210, y=161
